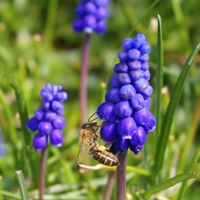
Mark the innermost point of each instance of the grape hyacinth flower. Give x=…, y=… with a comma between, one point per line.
x=126, y=115
x=92, y=15
x=48, y=120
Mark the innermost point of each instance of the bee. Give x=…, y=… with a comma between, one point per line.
x=88, y=141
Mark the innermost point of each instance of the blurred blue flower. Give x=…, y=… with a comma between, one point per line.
x=92, y=15
x=126, y=115
x=2, y=146
x=48, y=120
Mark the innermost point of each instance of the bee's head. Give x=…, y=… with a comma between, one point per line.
x=89, y=125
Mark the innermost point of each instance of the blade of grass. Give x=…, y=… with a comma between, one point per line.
x=23, y=112
x=0, y=187
x=167, y=120
x=190, y=138
x=22, y=108
x=184, y=184
x=22, y=185
x=129, y=11
x=10, y=196
x=167, y=184
x=159, y=78
x=49, y=28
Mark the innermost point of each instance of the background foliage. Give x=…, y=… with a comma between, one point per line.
x=37, y=45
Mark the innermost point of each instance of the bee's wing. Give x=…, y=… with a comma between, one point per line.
x=82, y=149
x=79, y=157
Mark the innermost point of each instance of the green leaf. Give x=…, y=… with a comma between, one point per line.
x=23, y=112
x=10, y=196
x=22, y=185
x=192, y=166
x=22, y=108
x=0, y=187
x=167, y=184
x=168, y=117
x=159, y=78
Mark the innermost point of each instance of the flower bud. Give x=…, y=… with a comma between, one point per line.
x=141, y=84
x=46, y=95
x=57, y=107
x=123, y=56
x=40, y=141
x=59, y=123
x=134, y=65
x=112, y=95
x=141, y=116
x=39, y=114
x=56, y=138
x=32, y=124
x=50, y=116
x=109, y=131
x=123, y=109
x=136, y=74
x=123, y=78
x=126, y=127
x=106, y=111
x=137, y=102
x=139, y=137
x=44, y=127
x=89, y=8
x=150, y=124
x=127, y=91
x=133, y=54
x=120, y=67
x=114, y=82
x=127, y=44
x=61, y=96
x=138, y=40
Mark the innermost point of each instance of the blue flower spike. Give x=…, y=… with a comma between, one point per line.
x=126, y=115
x=48, y=120
x=91, y=17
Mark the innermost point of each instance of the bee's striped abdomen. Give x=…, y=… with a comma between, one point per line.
x=104, y=157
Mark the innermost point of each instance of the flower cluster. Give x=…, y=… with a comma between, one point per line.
x=48, y=120
x=127, y=119
x=92, y=15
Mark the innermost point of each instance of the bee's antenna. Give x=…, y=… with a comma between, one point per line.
x=90, y=120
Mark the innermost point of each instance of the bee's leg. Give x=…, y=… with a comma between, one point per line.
x=108, y=145
x=94, y=132
x=101, y=148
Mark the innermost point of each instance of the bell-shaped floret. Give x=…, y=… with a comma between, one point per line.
x=126, y=127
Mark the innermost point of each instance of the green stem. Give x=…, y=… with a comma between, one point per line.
x=83, y=80
x=179, y=178
x=109, y=186
x=121, y=176
x=22, y=185
x=42, y=173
